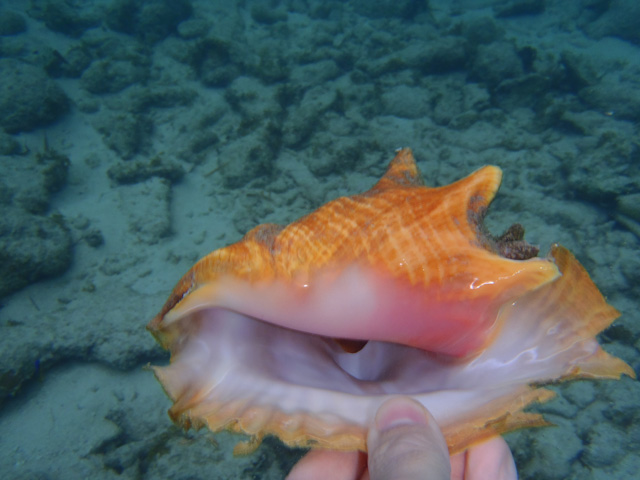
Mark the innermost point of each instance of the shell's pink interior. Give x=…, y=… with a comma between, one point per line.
x=358, y=303
x=230, y=354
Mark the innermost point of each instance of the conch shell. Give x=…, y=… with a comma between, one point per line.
x=303, y=331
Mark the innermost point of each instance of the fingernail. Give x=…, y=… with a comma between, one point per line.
x=400, y=411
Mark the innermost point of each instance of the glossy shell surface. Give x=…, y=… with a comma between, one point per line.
x=302, y=331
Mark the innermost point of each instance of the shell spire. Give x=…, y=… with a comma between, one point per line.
x=402, y=172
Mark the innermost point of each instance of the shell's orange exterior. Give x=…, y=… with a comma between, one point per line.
x=430, y=239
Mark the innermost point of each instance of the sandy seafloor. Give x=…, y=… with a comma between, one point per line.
x=140, y=135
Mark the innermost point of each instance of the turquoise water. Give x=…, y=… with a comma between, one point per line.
x=137, y=136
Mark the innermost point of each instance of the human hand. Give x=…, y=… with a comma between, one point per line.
x=405, y=443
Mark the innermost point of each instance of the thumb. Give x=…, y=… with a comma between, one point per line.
x=405, y=443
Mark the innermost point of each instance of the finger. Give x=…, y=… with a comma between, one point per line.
x=405, y=443
x=323, y=464
x=491, y=459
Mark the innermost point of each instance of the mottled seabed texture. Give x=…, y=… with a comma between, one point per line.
x=138, y=135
